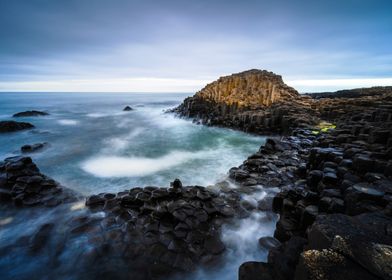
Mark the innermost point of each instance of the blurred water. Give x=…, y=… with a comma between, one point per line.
x=96, y=147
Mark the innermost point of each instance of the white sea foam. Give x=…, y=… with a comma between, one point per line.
x=68, y=122
x=241, y=240
x=119, y=144
x=101, y=115
x=117, y=166
x=96, y=115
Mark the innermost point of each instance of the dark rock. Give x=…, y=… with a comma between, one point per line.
x=255, y=271
x=32, y=113
x=127, y=108
x=363, y=164
x=283, y=259
x=33, y=147
x=95, y=200
x=329, y=265
x=330, y=178
x=41, y=238
x=314, y=177
x=374, y=257
x=309, y=215
x=268, y=242
x=12, y=126
x=176, y=184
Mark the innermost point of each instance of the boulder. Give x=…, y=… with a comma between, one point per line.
x=255, y=271
x=33, y=147
x=329, y=265
x=32, y=113
x=12, y=126
x=127, y=108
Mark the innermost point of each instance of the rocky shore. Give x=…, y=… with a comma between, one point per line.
x=326, y=173
x=335, y=179
x=141, y=233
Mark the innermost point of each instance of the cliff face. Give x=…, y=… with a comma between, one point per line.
x=255, y=101
x=252, y=89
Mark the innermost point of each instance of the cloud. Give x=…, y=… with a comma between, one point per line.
x=66, y=45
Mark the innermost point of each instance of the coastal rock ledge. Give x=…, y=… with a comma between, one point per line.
x=256, y=101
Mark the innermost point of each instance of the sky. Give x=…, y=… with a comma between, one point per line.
x=179, y=46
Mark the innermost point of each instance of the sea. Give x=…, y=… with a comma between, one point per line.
x=94, y=146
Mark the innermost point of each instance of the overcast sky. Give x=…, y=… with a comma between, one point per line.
x=146, y=45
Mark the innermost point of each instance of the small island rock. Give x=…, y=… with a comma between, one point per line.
x=32, y=113
x=11, y=126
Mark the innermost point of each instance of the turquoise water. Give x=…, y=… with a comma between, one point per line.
x=94, y=146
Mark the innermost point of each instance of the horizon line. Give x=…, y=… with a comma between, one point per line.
x=170, y=85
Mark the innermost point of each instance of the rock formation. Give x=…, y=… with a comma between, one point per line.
x=335, y=199
x=22, y=184
x=12, y=126
x=30, y=148
x=254, y=101
x=127, y=108
x=32, y=113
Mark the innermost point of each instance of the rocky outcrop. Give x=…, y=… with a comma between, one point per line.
x=249, y=89
x=30, y=148
x=22, y=184
x=128, y=108
x=352, y=93
x=175, y=228
x=254, y=101
x=32, y=113
x=335, y=204
x=153, y=231
x=12, y=126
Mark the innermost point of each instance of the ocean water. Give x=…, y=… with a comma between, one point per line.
x=96, y=147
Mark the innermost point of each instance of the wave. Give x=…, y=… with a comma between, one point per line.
x=101, y=115
x=68, y=122
x=117, y=166
x=118, y=144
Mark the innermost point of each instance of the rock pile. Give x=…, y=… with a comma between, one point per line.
x=22, y=183
x=174, y=228
x=12, y=126
x=148, y=232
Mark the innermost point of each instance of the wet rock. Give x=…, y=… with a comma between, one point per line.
x=375, y=257
x=12, y=126
x=284, y=258
x=176, y=184
x=95, y=200
x=33, y=148
x=32, y=113
x=127, y=108
x=268, y=242
x=314, y=177
x=214, y=245
x=309, y=215
x=238, y=174
x=363, y=163
x=41, y=238
x=329, y=265
x=255, y=271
